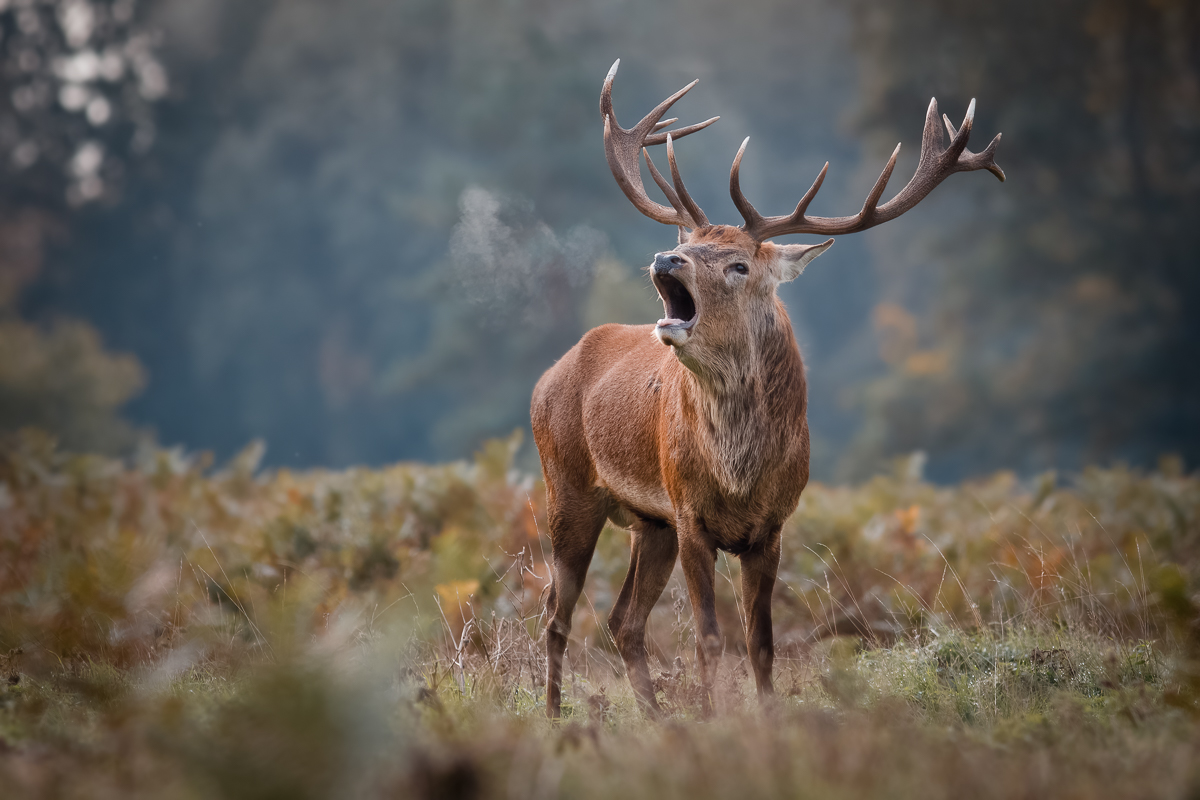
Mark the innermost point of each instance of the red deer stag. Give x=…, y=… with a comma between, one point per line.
x=692, y=433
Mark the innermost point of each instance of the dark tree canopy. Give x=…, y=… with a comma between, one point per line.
x=278, y=235
x=1053, y=323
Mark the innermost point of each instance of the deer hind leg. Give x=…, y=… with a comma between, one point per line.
x=759, y=568
x=576, y=520
x=651, y=560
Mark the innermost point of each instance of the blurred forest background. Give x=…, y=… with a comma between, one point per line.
x=361, y=230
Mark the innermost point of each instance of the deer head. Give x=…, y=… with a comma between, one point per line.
x=718, y=285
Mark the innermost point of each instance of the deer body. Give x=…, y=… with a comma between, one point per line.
x=696, y=447
x=692, y=433
x=653, y=441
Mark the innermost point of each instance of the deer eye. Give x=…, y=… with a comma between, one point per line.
x=740, y=268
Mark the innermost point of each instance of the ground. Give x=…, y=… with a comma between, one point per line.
x=171, y=629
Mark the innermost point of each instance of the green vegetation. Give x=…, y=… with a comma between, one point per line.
x=173, y=630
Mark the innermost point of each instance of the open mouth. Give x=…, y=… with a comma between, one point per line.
x=677, y=301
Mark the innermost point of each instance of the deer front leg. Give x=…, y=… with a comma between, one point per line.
x=759, y=568
x=699, y=559
x=651, y=559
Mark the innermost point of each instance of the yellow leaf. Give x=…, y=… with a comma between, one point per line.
x=456, y=592
x=927, y=362
x=908, y=518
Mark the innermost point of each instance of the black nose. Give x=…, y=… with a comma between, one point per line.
x=666, y=262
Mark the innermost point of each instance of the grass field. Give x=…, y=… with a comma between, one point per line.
x=173, y=629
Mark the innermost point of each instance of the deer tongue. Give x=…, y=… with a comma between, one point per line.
x=668, y=322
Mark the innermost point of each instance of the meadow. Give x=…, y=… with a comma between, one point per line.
x=174, y=628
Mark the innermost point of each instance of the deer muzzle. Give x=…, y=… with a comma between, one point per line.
x=679, y=306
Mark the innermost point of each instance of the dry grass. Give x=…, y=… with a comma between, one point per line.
x=167, y=630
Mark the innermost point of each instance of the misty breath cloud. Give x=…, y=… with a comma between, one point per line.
x=513, y=265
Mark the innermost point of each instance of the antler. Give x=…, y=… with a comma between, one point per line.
x=621, y=148
x=935, y=166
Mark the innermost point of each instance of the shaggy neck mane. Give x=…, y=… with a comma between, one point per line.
x=748, y=396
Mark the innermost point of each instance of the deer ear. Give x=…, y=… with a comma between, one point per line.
x=795, y=257
x=683, y=235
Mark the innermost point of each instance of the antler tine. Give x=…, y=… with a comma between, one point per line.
x=606, y=110
x=872, y=201
x=755, y=220
x=650, y=121
x=802, y=206
x=677, y=195
x=932, y=140
x=679, y=133
x=621, y=148
x=936, y=163
x=744, y=207
x=667, y=188
x=958, y=142
x=630, y=178
x=693, y=209
x=949, y=126
x=606, y=106
x=984, y=159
